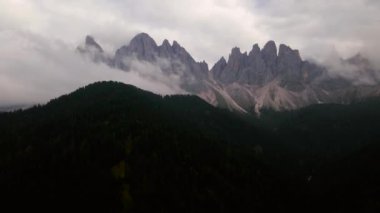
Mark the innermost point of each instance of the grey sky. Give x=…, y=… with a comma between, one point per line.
x=208, y=29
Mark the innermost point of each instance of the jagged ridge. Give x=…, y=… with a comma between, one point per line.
x=246, y=82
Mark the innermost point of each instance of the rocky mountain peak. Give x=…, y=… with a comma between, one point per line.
x=235, y=51
x=181, y=53
x=165, y=50
x=289, y=67
x=359, y=59
x=178, y=49
x=172, y=59
x=218, y=68
x=166, y=44
x=236, y=58
x=91, y=43
x=255, y=50
x=143, y=39
x=143, y=46
x=176, y=45
x=270, y=50
x=222, y=60
x=92, y=50
x=261, y=78
x=365, y=69
x=288, y=53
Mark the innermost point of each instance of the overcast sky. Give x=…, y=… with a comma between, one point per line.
x=33, y=32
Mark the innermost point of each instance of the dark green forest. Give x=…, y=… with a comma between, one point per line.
x=111, y=147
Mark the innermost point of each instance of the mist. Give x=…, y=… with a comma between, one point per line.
x=35, y=69
x=39, y=37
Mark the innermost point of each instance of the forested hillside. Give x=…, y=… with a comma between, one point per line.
x=111, y=147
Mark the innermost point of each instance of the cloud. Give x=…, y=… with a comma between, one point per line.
x=35, y=69
x=155, y=72
x=207, y=28
x=46, y=31
x=358, y=74
x=316, y=27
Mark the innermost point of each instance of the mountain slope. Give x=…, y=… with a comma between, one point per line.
x=283, y=81
x=172, y=59
x=111, y=147
x=249, y=82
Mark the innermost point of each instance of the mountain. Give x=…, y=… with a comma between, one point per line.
x=249, y=82
x=283, y=81
x=94, y=51
x=11, y=108
x=173, y=59
x=111, y=147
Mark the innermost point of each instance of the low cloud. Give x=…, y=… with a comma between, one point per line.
x=350, y=72
x=207, y=28
x=155, y=72
x=356, y=69
x=35, y=69
x=38, y=37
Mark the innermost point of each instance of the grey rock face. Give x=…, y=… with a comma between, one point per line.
x=257, y=73
x=254, y=52
x=289, y=68
x=311, y=72
x=172, y=59
x=289, y=62
x=263, y=79
x=241, y=68
x=94, y=51
x=269, y=54
x=235, y=64
x=91, y=43
x=166, y=50
x=142, y=46
x=218, y=68
x=260, y=67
